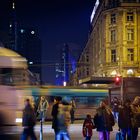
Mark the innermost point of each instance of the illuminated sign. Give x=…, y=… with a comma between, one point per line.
x=94, y=10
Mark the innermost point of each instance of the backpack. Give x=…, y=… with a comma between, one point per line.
x=63, y=117
x=136, y=117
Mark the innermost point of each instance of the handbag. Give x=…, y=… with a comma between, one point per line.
x=118, y=136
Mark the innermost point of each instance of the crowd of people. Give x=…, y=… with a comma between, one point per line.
x=126, y=114
x=62, y=115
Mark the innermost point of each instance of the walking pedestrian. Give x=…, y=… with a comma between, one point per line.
x=115, y=107
x=28, y=121
x=72, y=112
x=124, y=120
x=63, y=119
x=135, y=107
x=54, y=113
x=87, y=127
x=42, y=108
x=104, y=120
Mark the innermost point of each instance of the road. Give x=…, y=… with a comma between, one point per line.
x=75, y=131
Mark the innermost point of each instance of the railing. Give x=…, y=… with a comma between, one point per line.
x=130, y=64
x=124, y=64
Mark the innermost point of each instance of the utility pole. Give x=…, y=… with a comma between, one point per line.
x=41, y=129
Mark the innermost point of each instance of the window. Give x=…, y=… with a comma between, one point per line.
x=87, y=71
x=130, y=34
x=87, y=56
x=130, y=54
x=113, y=55
x=113, y=18
x=113, y=36
x=12, y=76
x=130, y=17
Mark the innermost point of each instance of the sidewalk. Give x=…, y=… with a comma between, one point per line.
x=75, y=131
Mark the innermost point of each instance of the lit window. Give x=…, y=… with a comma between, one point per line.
x=130, y=34
x=130, y=54
x=130, y=16
x=113, y=18
x=87, y=58
x=22, y=31
x=30, y=62
x=113, y=36
x=113, y=55
x=32, y=32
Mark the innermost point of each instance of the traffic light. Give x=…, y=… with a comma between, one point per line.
x=117, y=80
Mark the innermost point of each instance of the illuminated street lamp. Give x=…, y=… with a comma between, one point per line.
x=64, y=83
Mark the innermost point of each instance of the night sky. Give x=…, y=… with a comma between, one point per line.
x=58, y=22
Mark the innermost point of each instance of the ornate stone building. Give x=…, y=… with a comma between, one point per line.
x=113, y=47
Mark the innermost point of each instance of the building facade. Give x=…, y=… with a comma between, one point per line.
x=12, y=28
x=113, y=47
x=30, y=47
x=68, y=54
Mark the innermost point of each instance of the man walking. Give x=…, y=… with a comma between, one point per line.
x=42, y=109
x=29, y=121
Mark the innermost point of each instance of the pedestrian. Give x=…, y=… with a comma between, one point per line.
x=104, y=121
x=72, y=112
x=115, y=107
x=42, y=108
x=28, y=121
x=54, y=113
x=87, y=127
x=124, y=120
x=135, y=108
x=63, y=119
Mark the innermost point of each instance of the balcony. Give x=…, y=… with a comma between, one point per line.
x=130, y=1
x=130, y=64
x=111, y=64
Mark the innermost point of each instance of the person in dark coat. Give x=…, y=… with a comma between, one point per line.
x=64, y=119
x=135, y=108
x=124, y=120
x=28, y=121
x=54, y=113
x=104, y=120
x=87, y=127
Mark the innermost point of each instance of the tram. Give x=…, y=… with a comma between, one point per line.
x=86, y=99
x=13, y=72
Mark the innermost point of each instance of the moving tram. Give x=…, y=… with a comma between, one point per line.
x=13, y=72
x=86, y=99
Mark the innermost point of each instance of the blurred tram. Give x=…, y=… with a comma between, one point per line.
x=13, y=72
x=86, y=99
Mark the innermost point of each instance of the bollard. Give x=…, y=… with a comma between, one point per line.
x=41, y=129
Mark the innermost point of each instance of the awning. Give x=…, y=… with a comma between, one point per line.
x=97, y=80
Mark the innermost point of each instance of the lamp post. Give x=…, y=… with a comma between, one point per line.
x=41, y=129
x=121, y=76
x=122, y=85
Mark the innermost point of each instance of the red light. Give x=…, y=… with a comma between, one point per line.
x=117, y=80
